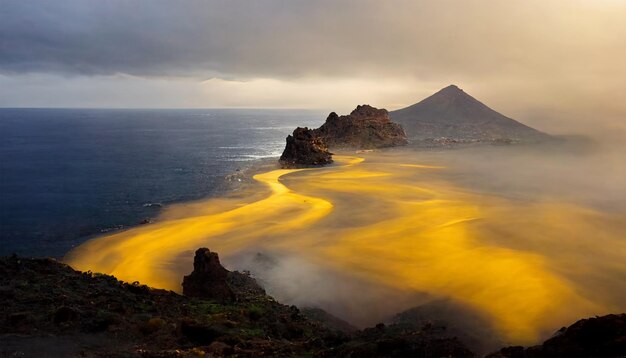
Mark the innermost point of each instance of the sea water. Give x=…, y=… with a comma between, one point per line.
x=69, y=174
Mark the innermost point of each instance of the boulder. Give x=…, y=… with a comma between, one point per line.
x=305, y=148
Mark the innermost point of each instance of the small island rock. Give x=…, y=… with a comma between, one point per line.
x=366, y=127
x=305, y=148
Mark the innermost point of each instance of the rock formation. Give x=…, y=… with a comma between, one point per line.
x=593, y=337
x=365, y=127
x=453, y=114
x=208, y=279
x=305, y=148
x=47, y=308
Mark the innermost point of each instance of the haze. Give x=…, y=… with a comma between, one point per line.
x=522, y=240
x=526, y=238
x=555, y=65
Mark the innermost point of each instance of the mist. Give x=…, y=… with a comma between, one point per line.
x=523, y=239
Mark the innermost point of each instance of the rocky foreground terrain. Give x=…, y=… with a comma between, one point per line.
x=50, y=310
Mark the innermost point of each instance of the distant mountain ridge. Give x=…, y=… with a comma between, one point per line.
x=452, y=113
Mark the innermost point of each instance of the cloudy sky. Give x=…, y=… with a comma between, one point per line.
x=541, y=61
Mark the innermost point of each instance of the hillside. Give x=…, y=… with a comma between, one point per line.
x=48, y=309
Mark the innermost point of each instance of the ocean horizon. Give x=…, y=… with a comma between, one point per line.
x=69, y=174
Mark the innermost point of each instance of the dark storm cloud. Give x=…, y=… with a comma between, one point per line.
x=104, y=37
x=295, y=38
x=163, y=38
x=276, y=38
x=532, y=59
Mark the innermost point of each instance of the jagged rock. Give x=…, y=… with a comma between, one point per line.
x=110, y=318
x=365, y=127
x=208, y=279
x=305, y=148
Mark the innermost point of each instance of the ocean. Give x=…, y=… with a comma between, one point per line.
x=67, y=175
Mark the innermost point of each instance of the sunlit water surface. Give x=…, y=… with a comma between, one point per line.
x=528, y=265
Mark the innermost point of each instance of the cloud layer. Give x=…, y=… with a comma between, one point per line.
x=560, y=56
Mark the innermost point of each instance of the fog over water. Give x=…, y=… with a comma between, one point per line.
x=522, y=239
x=527, y=238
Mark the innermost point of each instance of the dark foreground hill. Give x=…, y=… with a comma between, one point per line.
x=47, y=309
x=455, y=115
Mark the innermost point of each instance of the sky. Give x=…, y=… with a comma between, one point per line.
x=555, y=64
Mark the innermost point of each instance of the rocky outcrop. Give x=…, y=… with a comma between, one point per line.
x=208, y=279
x=593, y=337
x=365, y=127
x=305, y=148
x=396, y=341
x=48, y=309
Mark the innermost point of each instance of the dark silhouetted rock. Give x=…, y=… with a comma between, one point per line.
x=397, y=341
x=244, y=287
x=327, y=320
x=65, y=314
x=365, y=128
x=305, y=148
x=447, y=319
x=452, y=114
x=593, y=337
x=208, y=279
x=200, y=333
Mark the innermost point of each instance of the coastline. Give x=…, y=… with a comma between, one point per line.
x=385, y=222
x=229, y=186
x=393, y=222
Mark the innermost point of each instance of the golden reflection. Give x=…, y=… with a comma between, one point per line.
x=396, y=224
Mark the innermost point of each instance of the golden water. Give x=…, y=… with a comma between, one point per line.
x=528, y=266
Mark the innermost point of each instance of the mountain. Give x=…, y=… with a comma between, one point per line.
x=452, y=113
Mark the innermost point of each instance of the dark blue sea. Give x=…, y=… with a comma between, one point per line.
x=69, y=174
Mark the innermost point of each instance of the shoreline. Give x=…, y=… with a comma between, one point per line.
x=229, y=186
x=396, y=222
